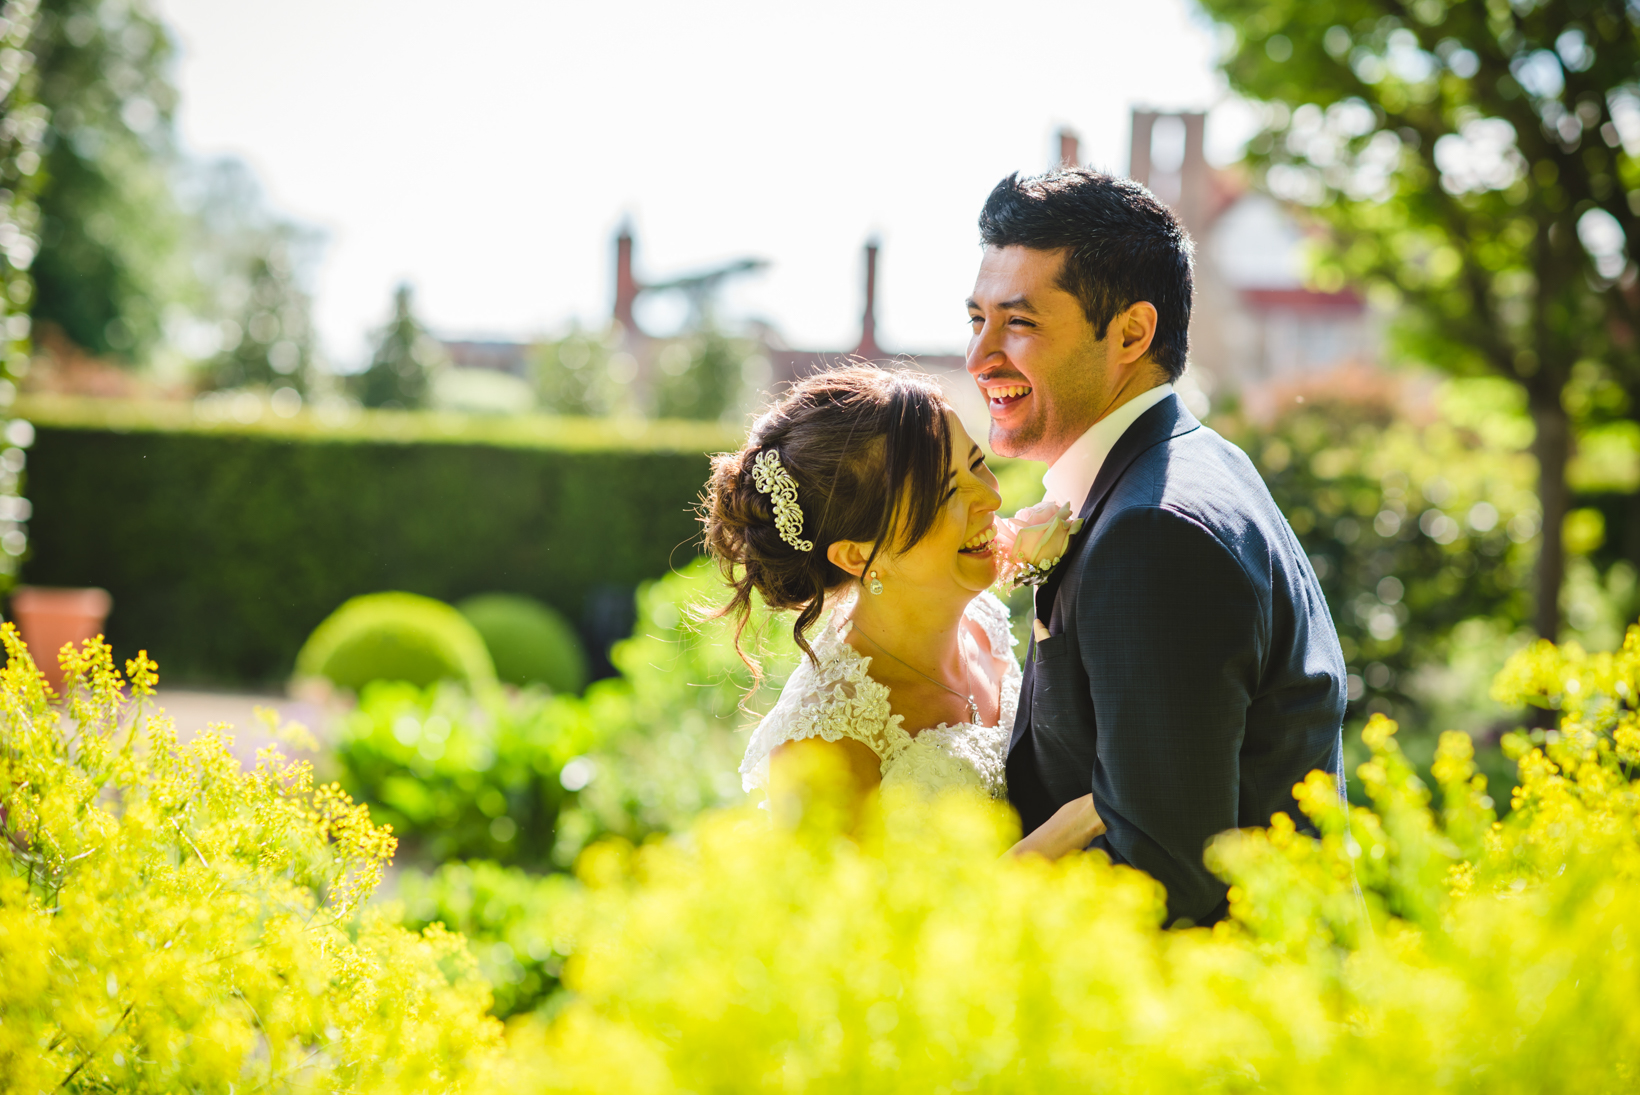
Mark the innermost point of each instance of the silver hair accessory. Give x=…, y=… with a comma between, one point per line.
x=773, y=479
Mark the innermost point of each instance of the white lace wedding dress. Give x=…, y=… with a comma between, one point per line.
x=837, y=698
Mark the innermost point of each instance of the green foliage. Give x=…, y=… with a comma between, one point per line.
x=399, y=376
x=248, y=259
x=170, y=922
x=237, y=541
x=700, y=375
x=572, y=374
x=395, y=637
x=529, y=642
x=1414, y=529
x=696, y=375
x=1459, y=152
x=109, y=227
x=24, y=127
x=461, y=774
x=1486, y=955
x=675, y=717
x=532, y=779
x=505, y=914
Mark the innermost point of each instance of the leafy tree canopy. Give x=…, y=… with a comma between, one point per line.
x=1476, y=162
x=252, y=310
x=109, y=226
x=399, y=372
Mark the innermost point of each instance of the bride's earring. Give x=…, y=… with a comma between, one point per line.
x=875, y=585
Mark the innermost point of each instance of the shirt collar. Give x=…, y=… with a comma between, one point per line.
x=1070, y=477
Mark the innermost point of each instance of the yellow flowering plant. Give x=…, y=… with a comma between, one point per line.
x=1422, y=944
x=171, y=922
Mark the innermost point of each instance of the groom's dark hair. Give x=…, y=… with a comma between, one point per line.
x=1121, y=246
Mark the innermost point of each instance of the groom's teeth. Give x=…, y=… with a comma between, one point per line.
x=1012, y=391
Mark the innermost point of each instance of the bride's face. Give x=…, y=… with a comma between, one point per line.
x=957, y=548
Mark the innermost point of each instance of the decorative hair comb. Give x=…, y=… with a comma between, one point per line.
x=771, y=478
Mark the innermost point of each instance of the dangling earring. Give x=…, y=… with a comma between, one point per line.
x=875, y=585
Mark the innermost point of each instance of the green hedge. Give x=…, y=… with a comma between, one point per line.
x=225, y=545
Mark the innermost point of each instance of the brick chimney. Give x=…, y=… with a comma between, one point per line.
x=1193, y=180
x=1144, y=125
x=1070, y=148
x=1193, y=174
x=626, y=286
x=868, y=348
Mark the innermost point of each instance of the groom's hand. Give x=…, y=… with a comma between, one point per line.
x=1071, y=829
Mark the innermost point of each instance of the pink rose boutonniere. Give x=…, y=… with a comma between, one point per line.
x=1029, y=543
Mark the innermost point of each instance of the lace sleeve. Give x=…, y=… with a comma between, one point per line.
x=991, y=614
x=835, y=700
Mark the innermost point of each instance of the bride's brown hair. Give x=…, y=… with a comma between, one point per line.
x=870, y=451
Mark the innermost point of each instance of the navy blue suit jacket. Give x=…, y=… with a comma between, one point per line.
x=1193, y=675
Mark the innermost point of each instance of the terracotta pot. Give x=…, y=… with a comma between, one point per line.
x=48, y=618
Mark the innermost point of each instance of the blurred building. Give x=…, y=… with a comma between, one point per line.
x=785, y=363
x=1255, y=323
x=497, y=356
x=788, y=364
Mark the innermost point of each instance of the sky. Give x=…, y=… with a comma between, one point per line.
x=486, y=152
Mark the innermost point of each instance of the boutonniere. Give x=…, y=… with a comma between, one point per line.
x=1032, y=541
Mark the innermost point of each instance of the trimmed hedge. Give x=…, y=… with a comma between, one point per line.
x=225, y=546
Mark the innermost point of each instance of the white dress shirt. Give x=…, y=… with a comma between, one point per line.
x=1070, y=478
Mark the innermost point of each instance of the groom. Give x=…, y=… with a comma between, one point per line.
x=1185, y=668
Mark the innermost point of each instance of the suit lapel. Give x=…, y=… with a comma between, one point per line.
x=1166, y=420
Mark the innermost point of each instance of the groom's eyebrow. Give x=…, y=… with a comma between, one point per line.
x=1017, y=304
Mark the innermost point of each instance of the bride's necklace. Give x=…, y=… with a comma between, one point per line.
x=973, y=705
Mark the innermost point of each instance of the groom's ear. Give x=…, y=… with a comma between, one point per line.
x=848, y=556
x=1130, y=334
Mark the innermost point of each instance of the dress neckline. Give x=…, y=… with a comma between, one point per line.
x=838, y=629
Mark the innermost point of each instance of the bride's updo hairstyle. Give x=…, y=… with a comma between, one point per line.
x=869, y=452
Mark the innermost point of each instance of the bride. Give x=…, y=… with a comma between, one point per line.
x=861, y=492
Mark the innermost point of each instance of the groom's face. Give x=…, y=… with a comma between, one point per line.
x=1036, y=358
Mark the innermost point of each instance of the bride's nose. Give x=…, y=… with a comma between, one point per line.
x=988, y=501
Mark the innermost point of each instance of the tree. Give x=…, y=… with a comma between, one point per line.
x=399, y=375
x=270, y=344
x=1477, y=165
x=571, y=373
x=700, y=375
x=109, y=228
x=247, y=264
x=23, y=123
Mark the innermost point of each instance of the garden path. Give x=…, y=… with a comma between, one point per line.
x=196, y=711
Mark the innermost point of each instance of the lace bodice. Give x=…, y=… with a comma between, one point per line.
x=837, y=698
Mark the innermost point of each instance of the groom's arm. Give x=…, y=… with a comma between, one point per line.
x=1170, y=632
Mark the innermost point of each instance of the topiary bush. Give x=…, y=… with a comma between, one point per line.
x=395, y=637
x=529, y=642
